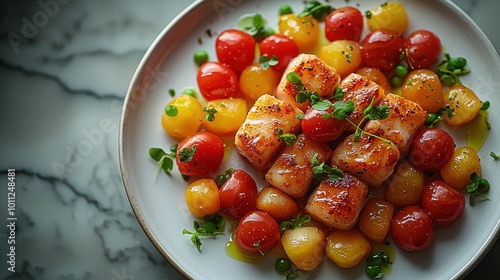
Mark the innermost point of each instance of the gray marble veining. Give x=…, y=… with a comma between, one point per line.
x=64, y=70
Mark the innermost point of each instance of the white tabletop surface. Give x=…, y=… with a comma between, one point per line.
x=64, y=71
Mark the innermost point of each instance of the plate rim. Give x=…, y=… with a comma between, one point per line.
x=139, y=76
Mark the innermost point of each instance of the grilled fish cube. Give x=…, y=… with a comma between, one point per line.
x=370, y=159
x=361, y=91
x=405, y=119
x=291, y=172
x=338, y=203
x=257, y=139
x=316, y=76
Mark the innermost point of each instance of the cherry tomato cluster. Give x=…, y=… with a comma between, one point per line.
x=419, y=204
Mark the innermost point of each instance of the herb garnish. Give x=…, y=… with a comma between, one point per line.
x=211, y=226
x=210, y=113
x=477, y=187
x=221, y=179
x=288, y=138
x=451, y=68
x=266, y=62
x=320, y=170
x=165, y=161
x=433, y=118
x=317, y=10
x=294, y=222
x=254, y=24
x=494, y=156
x=187, y=154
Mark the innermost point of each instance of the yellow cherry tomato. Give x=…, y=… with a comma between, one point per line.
x=347, y=248
x=303, y=30
x=224, y=116
x=375, y=219
x=184, y=118
x=424, y=87
x=462, y=164
x=389, y=15
x=343, y=55
x=464, y=103
x=202, y=197
x=255, y=82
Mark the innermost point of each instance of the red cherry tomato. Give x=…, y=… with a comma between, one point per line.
x=238, y=195
x=235, y=49
x=344, y=24
x=382, y=49
x=431, y=149
x=199, y=154
x=321, y=129
x=422, y=49
x=412, y=229
x=217, y=81
x=280, y=46
x=444, y=203
x=256, y=233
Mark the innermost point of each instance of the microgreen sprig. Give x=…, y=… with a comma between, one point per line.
x=210, y=227
x=288, y=138
x=451, y=68
x=209, y=113
x=320, y=170
x=254, y=24
x=494, y=156
x=187, y=154
x=266, y=62
x=221, y=179
x=433, y=118
x=317, y=10
x=477, y=187
x=165, y=160
x=294, y=222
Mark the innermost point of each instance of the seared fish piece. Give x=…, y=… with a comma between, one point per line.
x=291, y=172
x=370, y=159
x=337, y=204
x=316, y=76
x=361, y=91
x=405, y=119
x=257, y=139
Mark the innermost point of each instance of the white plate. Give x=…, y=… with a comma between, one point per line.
x=159, y=202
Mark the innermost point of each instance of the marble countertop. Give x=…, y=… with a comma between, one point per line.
x=64, y=70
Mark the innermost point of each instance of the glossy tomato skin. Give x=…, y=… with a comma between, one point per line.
x=412, y=229
x=238, y=195
x=443, y=203
x=422, y=49
x=320, y=129
x=431, y=149
x=280, y=46
x=207, y=155
x=382, y=49
x=235, y=49
x=217, y=81
x=344, y=23
x=256, y=233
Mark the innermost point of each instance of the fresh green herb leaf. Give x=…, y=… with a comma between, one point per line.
x=288, y=138
x=254, y=24
x=187, y=154
x=295, y=79
x=494, y=156
x=451, y=68
x=294, y=222
x=433, y=118
x=171, y=110
x=171, y=92
x=285, y=10
x=339, y=93
x=266, y=62
x=300, y=116
x=212, y=226
x=164, y=160
x=342, y=109
x=321, y=170
x=477, y=187
x=368, y=14
x=210, y=113
x=321, y=104
x=317, y=10
x=221, y=179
